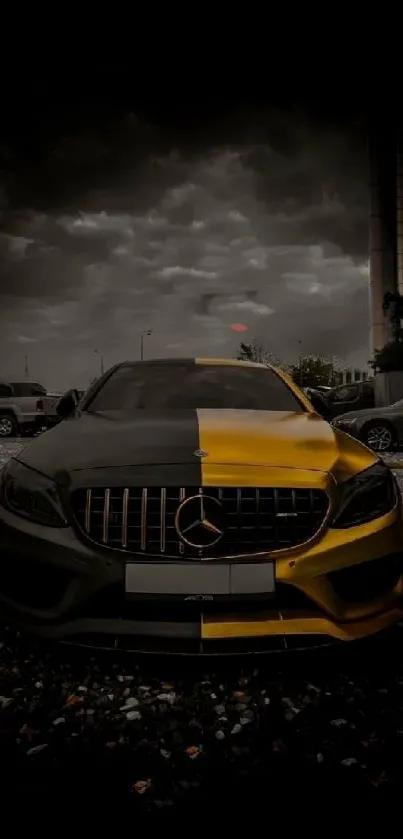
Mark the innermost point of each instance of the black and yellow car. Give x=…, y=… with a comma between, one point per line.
x=198, y=506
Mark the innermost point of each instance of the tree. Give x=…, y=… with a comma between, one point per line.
x=312, y=370
x=257, y=352
x=393, y=303
x=389, y=358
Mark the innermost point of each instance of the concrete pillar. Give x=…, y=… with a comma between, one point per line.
x=382, y=233
x=399, y=211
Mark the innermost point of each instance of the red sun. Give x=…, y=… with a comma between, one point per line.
x=238, y=327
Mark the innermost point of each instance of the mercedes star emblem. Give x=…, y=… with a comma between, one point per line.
x=199, y=521
x=200, y=453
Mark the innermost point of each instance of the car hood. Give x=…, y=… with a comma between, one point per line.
x=262, y=438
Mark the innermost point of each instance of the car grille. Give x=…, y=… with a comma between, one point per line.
x=142, y=520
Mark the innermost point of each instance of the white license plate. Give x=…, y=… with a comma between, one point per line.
x=200, y=578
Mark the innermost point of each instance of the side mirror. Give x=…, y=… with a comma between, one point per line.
x=319, y=403
x=67, y=403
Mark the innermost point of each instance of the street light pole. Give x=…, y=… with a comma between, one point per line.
x=301, y=373
x=101, y=362
x=142, y=336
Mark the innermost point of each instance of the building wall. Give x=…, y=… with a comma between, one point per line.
x=388, y=388
x=348, y=376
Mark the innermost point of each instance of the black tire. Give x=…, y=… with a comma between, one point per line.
x=28, y=430
x=8, y=426
x=379, y=436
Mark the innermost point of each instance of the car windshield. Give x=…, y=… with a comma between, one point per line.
x=157, y=386
x=28, y=389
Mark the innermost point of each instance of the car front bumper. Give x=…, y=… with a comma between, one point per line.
x=345, y=585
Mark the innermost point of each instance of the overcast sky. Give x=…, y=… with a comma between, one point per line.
x=261, y=222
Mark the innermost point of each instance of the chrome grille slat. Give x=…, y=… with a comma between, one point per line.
x=276, y=511
x=125, y=511
x=163, y=503
x=257, y=507
x=105, y=524
x=143, y=524
x=88, y=510
x=256, y=519
x=311, y=501
x=182, y=496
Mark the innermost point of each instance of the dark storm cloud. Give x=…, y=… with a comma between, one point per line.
x=185, y=242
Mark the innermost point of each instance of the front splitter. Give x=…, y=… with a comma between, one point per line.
x=211, y=634
x=226, y=627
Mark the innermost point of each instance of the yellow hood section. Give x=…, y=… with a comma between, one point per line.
x=283, y=440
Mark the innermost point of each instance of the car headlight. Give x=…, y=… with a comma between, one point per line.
x=29, y=494
x=367, y=496
x=344, y=422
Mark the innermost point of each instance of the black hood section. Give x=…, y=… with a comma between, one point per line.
x=136, y=448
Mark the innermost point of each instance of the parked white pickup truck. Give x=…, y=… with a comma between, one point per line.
x=26, y=407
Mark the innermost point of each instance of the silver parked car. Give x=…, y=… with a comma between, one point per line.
x=379, y=428
x=24, y=407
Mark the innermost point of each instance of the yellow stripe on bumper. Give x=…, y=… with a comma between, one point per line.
x=225, y=627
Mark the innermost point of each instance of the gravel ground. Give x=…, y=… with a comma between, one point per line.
x=10, y=448
x=168, y=734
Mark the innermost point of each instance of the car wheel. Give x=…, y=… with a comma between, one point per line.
x=28, y=430
x=8, y=426
x=379, y=436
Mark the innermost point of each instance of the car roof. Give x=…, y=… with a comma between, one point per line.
x=16, y=380
x=224, y=362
